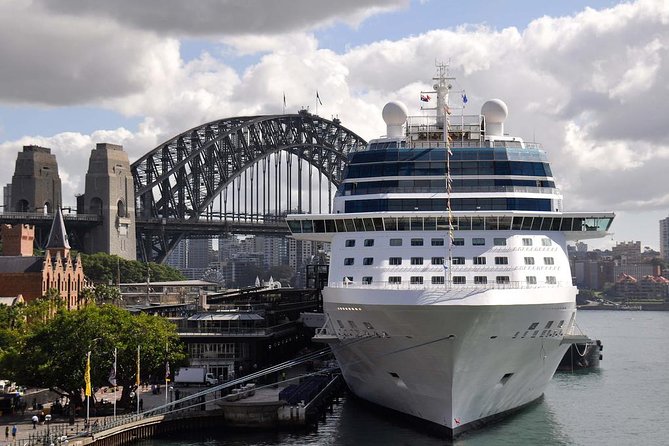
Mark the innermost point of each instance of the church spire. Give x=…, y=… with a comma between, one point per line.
x=58, y=236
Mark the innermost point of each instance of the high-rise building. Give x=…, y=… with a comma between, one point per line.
x=199, y=253
x=177, y=258
x=664, y=238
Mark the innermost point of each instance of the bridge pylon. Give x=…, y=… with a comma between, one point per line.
x=110, y=193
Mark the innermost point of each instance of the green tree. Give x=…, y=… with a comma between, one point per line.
x=54, y=353
x=107, y=294
x=105, y=268
x=282, y=273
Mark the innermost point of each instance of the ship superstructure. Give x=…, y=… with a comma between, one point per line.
x=450, y=290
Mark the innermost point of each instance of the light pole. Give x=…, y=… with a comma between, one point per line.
x=47, y=420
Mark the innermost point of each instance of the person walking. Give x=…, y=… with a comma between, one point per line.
x=35, y=419
x=14, y=429
x=6, y=432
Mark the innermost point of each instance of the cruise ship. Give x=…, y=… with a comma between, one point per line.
x=450, y=296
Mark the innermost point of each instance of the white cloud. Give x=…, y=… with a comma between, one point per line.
x=63, y=60
x=217, y=17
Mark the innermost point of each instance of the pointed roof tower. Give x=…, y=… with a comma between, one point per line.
x=58, y=236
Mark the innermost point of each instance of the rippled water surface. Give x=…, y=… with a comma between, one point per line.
x=625, y=402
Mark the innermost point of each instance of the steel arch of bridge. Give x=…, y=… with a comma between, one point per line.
x=178, y=180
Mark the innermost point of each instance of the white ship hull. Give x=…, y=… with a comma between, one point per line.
x=456, y=362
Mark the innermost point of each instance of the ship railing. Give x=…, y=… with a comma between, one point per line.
x=384, y=285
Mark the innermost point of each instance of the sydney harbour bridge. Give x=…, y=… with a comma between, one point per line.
x=237, y=175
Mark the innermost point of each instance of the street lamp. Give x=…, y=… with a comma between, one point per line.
x=47, y=420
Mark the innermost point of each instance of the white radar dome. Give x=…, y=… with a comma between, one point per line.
x=395, y=115
x=495, y=112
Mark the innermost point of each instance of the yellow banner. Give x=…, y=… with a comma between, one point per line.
x=87, y=375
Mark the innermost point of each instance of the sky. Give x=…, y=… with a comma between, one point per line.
x=588, y=79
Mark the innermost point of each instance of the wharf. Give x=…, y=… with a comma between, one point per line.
x=252, y=408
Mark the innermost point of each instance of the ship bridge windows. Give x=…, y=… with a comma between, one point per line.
x=478, y=241
x=527, y=242
x=348, y=261
x=395, y=242
x=416, y=242
x=480, y=280
x=529, y=260
x=549, y=261
x=395, y=280
x=368, y=242
x=368, y=261
x=479, y=260
x=437, y=260
x=437, y=242
x=367, y=280
x=459, y=280
x=545, y=241
x=458, y=241
x=551, y=280
x=395, y=261
x=350, y=243
x=458, y=261
x=438, y=280
x=501, y=260
x=416, y=280
x=416, y=260
x=460, y=223
x=502, y=280
x=531, y=280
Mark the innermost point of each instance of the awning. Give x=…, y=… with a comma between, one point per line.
x=226, y=317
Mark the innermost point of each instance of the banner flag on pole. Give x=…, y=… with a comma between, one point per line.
x=167, y=371
x=138, y=379
x=112, y=373
x=87, y=375
x=319, y=98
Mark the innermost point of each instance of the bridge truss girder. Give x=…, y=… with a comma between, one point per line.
x=178, y=180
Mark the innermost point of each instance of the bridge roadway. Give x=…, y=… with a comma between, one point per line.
x=78, y=224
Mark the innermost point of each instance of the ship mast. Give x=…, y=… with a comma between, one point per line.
x=442, y=88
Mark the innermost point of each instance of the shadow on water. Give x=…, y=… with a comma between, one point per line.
x=355, y=422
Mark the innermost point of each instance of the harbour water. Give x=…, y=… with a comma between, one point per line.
x=626, y=401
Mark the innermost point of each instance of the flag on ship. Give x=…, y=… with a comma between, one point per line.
x=464, y=98
x=319, y=98
x=425, y=98
x=447, y=109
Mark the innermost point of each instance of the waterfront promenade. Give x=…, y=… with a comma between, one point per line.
x=59, y=425
x=214, y=404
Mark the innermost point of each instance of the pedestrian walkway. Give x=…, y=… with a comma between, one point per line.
x=59, y=425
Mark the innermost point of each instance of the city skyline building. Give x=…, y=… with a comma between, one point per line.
x=664, y=238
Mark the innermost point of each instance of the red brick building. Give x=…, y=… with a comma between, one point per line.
x=32, y=276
